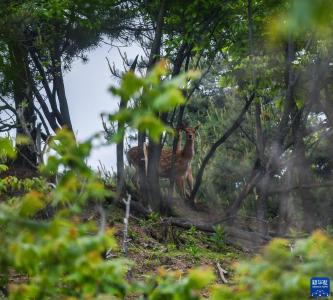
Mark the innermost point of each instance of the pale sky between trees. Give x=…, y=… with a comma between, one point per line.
x=87, y=93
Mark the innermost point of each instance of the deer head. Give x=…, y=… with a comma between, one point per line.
x=188, y=150
x=190, y=133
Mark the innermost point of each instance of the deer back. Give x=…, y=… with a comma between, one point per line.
x=181, y=163
x=133, y=156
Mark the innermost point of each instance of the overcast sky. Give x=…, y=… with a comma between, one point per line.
x=87, y=93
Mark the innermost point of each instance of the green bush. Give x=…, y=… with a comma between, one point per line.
x=173, y=286
x=12, y=184
x=62, y=257
x=59, y=257
x=282, y=272
x=218, y=237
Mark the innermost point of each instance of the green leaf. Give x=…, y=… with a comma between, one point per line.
x=123, y=116
x=130, y=84
x=7, y=148
x=3, y=168
x=200, y=278
x=168, y=100
x=151, y=123
x=31, y=203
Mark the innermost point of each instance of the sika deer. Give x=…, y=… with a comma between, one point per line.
x=188, y=176
x=182, y=164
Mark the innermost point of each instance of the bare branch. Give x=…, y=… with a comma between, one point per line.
x=221, y=273
x=218, y=143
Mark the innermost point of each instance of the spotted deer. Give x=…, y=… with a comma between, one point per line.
x=184, y=156
x=188, y=176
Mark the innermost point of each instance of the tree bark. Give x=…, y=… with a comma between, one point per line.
x=26, y=119
x=304, y=175
x=60, y=89
x=120, y=145
x=262, y=186
x=254, y=178
x=151, y=187
x=261, y=175
x=176, y=70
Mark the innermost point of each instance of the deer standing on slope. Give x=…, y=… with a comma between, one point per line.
x=188, y=176
x=183, y=170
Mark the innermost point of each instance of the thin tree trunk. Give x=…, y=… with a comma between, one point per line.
x=261, y=188
x=302, y=164
x=142, y=176
x=287, y=205
x=23, y=103
x=153, y=191
x=176, y=70
x=60, y=89
x=217, y=144
x=273, y=163
x=327, y=105
x=254, y=178
x=120, y=145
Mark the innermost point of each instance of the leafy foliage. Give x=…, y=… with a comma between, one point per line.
x=218, y=237
x=12, y=184
x=7, y=149
x=62, y=256
x=171, y=285
x=282, y=272
x=151, y=96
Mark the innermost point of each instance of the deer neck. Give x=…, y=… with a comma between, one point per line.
x=188, y=151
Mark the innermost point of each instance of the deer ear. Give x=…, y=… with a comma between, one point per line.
x=196, y=127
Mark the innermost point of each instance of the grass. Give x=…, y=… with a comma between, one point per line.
x=152, y=247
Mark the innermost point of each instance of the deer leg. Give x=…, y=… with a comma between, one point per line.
x=181, y=186
x=189, y=178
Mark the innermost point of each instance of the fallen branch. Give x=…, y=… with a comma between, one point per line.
x=247, y=240
x=221, y=273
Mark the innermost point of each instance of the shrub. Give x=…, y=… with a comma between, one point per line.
x=282, y=273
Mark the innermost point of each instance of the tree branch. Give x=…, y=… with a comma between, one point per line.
x=218, y=143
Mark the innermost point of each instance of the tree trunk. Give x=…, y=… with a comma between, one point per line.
x=120, y=145
x=261, y=188
x=150, y=185
x=27, y=157
x=261, y=175
x=60, y=89
x=176, y=70
x=287, y=206
x=302, y=165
